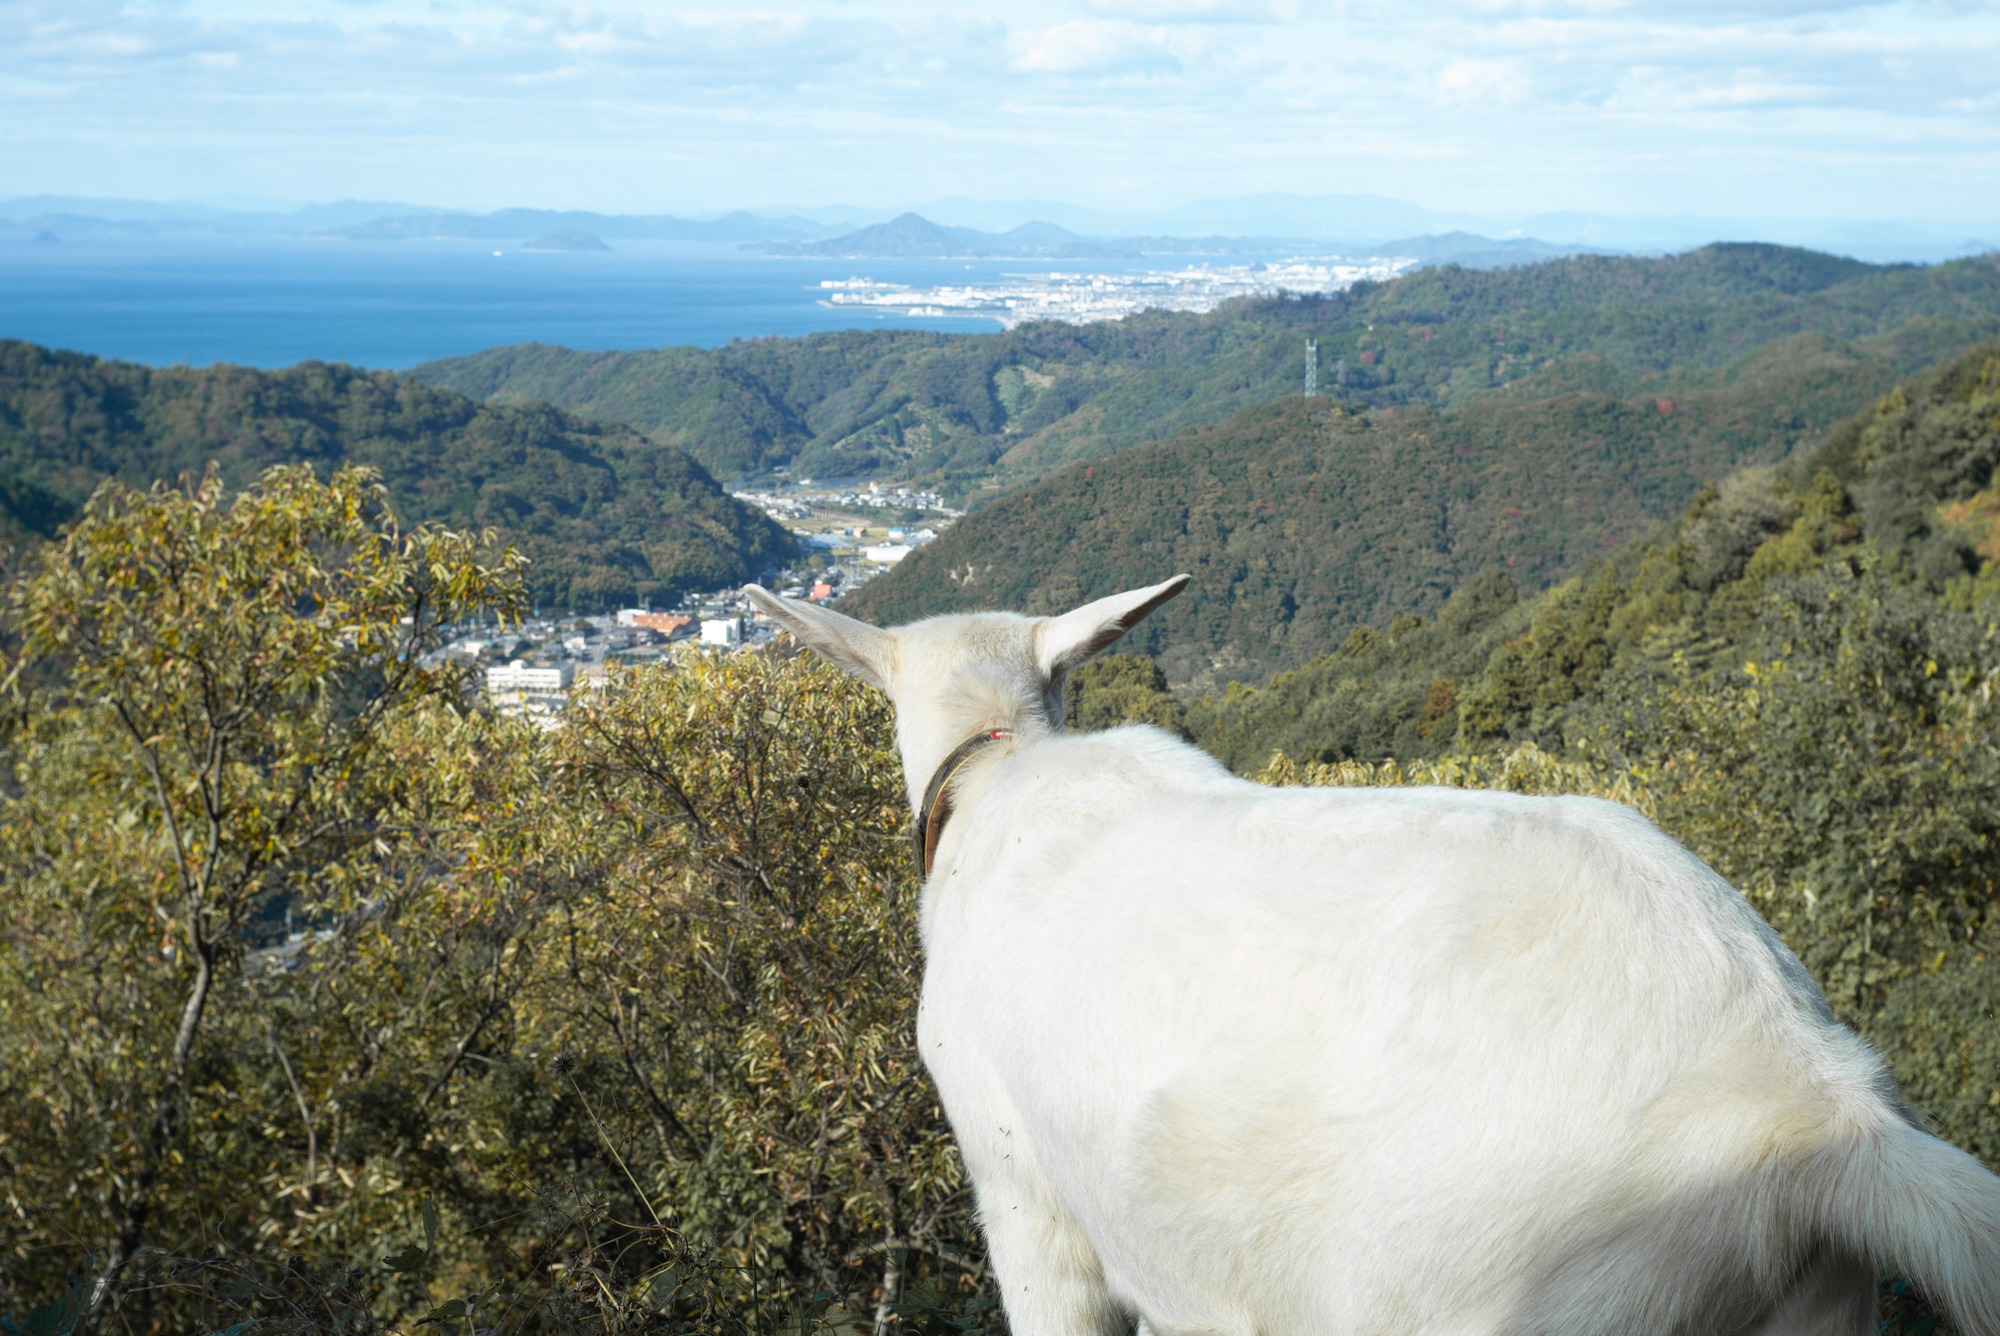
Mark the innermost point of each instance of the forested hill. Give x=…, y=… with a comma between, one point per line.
x=975, y=410
x=605, y=515
x=1879, y=544
x=1301, y=520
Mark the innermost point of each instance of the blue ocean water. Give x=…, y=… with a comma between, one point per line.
x=270, y=302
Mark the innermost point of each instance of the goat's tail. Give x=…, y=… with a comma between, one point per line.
x=1903, y=1197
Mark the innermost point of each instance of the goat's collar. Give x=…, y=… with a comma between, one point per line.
x=936, y=808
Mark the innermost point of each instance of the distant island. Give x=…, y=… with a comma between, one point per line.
x=912, y=236
x=569, y=239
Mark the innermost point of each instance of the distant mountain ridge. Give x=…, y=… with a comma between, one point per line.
x=913, y=236
x=512, y=224
x=1203, y=227
x=1213, y=226
x=376, y=221
x=910, y=235
x=122, y=217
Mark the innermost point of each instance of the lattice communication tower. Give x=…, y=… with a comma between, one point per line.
x=1312, y=368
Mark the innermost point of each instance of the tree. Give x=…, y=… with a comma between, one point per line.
x=1121, y=689
x=208, y=680
x=737, y=976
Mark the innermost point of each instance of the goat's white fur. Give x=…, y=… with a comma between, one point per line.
x=1225, y=1058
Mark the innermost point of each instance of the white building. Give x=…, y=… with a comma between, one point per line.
x=536, y=694
x=887, y=553
x=722, y=631
x=518, y=676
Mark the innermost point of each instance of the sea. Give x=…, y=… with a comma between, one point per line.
x=272, y=302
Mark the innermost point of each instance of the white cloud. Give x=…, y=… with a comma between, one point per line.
x=1463, y=103
x=1093, y=47
x=1479, y=82
x=1674, y=11
x=1199, y=11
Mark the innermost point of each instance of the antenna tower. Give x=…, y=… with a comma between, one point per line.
x=1312, y=368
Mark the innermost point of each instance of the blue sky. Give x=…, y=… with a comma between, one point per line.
x=1795, y=108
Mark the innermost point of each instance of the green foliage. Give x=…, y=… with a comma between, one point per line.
x=1909, y=484
x=1012, y=406
x=749, y=934
x=28, y=512
x=1382, y=694
x=224, y=678
x=1121, y=689
x=612, y=1026
x=604, y=515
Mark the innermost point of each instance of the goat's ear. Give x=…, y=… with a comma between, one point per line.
x=1061, y=643
x=867, y=652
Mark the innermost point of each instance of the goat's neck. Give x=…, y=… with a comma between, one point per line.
x=924, y=750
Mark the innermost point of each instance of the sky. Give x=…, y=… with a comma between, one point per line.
x=1785, y=108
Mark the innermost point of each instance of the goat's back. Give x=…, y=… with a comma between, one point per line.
x=1437, y=1057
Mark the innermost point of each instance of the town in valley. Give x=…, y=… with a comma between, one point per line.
x=849, y=532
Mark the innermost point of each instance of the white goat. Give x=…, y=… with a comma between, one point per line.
x=1225, y=1058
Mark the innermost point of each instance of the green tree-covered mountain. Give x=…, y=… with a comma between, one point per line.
x=604, y=514
x=1301, y=520
x=993, y=411
x=1904, y=493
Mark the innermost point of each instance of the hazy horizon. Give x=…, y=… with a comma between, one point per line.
x=1817, y=111
x=1284, y=215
